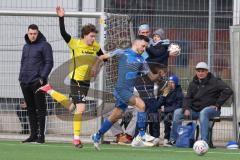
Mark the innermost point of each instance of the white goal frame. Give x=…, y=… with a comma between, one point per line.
x=235, y=72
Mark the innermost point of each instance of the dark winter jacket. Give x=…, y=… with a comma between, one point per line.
x=37, y=60
x=158, y=53
x=173, y=100
x=210, y=91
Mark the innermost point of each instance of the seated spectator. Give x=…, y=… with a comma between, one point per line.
x=125, y=131
x=205, y=96
x=170, y=100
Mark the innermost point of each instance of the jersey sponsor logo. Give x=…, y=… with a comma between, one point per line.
x=86, y=52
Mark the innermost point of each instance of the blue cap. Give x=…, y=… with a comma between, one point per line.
x=143, y=26
x=174, y=78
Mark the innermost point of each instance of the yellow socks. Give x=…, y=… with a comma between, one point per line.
x=77, y=124
x=60, y=98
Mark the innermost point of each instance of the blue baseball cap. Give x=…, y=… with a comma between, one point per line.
x=174, y=78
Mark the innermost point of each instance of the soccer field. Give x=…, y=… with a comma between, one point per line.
x=12, y=150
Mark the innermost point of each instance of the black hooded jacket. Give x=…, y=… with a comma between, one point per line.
x=210, y=91
x=37, y=60
x=158, y=54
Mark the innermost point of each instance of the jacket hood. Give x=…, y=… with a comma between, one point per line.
x=40, y=38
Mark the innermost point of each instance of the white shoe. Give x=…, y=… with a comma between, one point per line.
x=148, y=138
x=148, y=144
x=165, y=143
x=95, y=141
x=139, y=142
x=156, y=142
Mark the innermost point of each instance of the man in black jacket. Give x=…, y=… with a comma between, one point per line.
x=36, y=64
x=205, y=96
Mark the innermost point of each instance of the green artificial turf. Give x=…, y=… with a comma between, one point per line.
x=12, y=150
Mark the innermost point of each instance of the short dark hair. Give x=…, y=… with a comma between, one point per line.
x=88, y=29
x=33, y=27
x=155, y=67
x=142, y=37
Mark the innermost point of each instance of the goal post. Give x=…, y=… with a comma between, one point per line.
x=51, y=14
x=235, y=72
x=114, y=32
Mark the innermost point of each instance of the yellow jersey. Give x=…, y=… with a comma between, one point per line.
x=83, y=57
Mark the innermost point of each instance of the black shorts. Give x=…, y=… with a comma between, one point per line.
x=79, y=90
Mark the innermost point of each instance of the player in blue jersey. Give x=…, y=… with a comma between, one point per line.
x=131, y=65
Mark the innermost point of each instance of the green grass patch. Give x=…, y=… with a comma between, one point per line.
x=12, y=150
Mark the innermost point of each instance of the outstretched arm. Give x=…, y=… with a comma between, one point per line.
x=98, y=63
x=96, y=67
x=60, y=12
x=153, y=77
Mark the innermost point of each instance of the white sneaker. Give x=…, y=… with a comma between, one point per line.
x=156, y=142
x=139, y=142
x=95, y=141
x=148, y=138
x=165, y=143
x=148, y=144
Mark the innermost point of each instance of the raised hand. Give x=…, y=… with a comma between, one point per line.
x=166, y=90
x=60, y=11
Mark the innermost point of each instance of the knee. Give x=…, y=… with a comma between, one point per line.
x=116, y=115
x=177, y=114
x=114, y=118
x=80, y=108
x=140, y=105
x=203, y=114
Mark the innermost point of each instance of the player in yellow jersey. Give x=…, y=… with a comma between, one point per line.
x=88, y=48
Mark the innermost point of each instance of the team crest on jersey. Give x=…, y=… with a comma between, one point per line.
x=139, y=60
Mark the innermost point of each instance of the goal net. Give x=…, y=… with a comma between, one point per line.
x=115, y=32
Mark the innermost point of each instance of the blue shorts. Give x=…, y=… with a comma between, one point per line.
x=122, y=98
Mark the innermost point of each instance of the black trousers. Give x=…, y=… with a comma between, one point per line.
x=36, y=106
x=154, y=124
x=22, y=116
x=153, y=117
x=167, y=120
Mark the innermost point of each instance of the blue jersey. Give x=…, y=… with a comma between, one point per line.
x=130, y=66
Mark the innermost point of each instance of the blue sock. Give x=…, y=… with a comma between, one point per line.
x=141, y=122
x=106, y=125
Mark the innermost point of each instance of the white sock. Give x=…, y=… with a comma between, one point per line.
x=76, y=137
